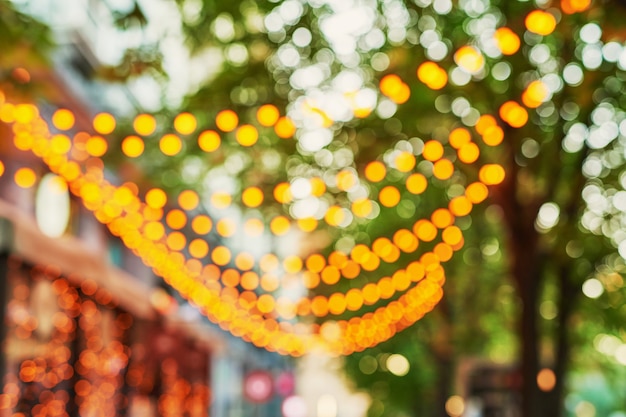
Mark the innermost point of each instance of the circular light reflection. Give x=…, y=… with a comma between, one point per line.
x=294, y=406
x=593, y=288
x=398, y=365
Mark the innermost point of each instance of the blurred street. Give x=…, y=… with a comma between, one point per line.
x=312, y=208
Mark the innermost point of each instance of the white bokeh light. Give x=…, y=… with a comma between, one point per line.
x=398, y=364
x=593, y=288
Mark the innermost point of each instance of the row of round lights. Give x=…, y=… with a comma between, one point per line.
x=254, y=317
x=315, y=266
x=121, y=211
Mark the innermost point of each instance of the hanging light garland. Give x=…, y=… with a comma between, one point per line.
x=238, y=291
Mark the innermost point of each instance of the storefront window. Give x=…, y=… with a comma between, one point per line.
x=52, y=208
x=69, y=350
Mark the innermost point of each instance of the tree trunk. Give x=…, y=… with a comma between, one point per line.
x=445, y=375
x=554, y=399
x=528, y=287
x=527, y=272
x=443, y=353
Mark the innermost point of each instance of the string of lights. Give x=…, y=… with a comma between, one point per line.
x=237, y=290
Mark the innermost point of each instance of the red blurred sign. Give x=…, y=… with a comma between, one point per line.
x=285, y=384
x=258, y=386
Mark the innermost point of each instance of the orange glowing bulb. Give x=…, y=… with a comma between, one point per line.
x=244, y=261
x=227, y=120
x=267, y=115
x=375, y=171
x=507, y=41
x=201, y=224
x=226, y=227
x=469, y=59
x=334, y=216
x=330, y=275
x=494, y=135
x=491, y=174
x=513, y=114
x=460, y=206
x=156, y=198
x=247, y=135
x=249, y=281
x=252, y=197
x=221, y=255
x=104, y=123
x=25, y=113
x=459, y=137
x=284, y=128
x=209, y=141
x=442, y=218
x=546, y=380
x=574, y=6
x=25, y=177
x=405, y=161
x=60, y=144
x=315, y=263
x=433, y=150
x=188, y=200
x=389, y=196
x=535, y=94
x=292, y=264
x=280, y=225
x=425, y=230
x=346, y=180
x=176, y=241
x=476, y=192
x=185, y=123
x=362, y=207
x=96, y=146
x=432, y=75
x=452, y=235
x=390, y=84
x=307, y=224
x=443, y=169
x=266, y=303
x=540, y=22
x=170, y=145
x=63, y=119
x=393, y=87
x=176, y=219
x=416, y=183
x=198, y=248
x=132, y=146
x=485, y=121
x=144, y=124
x=282, y=193
x=318, y=187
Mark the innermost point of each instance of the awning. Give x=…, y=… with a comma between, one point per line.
x=78, y=263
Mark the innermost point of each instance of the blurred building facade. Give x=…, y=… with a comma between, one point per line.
x=88, y=329
x=74, y=346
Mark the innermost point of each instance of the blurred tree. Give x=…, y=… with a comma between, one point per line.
x=566, y=156
x=24, y=43
x=561, y=203
x=557, y=215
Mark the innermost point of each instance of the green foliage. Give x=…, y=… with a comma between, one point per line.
x=25, y=43
x=145, y=60
x=547, y=165
x=23, y=37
